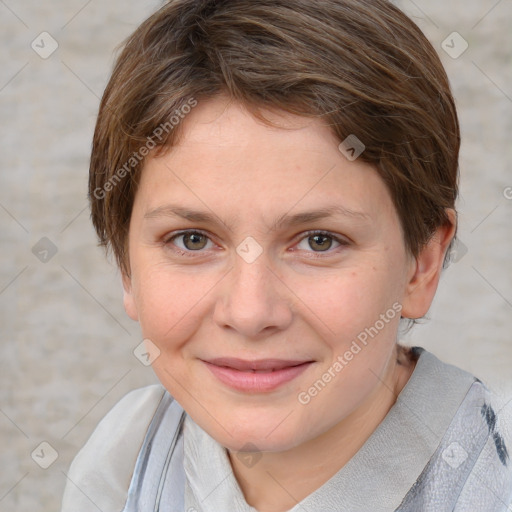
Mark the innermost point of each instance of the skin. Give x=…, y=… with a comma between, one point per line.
x=295, y=301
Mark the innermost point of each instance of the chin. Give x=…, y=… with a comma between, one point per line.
x=256, y=438
x=257, y=445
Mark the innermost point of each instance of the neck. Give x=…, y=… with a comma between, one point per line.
x=270, y=485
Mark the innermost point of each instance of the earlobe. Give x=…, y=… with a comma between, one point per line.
x=426, y=270
x=128, y=298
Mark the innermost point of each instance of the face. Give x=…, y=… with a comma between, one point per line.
x=261, y=248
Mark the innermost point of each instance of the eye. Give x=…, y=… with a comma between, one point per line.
x=320, y=241
x=189, y=241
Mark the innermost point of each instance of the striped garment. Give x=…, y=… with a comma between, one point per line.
x=440, y=448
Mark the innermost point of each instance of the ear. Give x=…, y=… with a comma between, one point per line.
x=128, y=298
x=426, y=270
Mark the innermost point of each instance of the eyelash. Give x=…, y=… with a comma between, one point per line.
x=305, y=235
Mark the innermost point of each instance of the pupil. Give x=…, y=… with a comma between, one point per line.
x=323, y=242
x=194, y=241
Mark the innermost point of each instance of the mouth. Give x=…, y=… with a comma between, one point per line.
x=256, y=376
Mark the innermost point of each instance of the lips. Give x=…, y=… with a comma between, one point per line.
x=260, y=365
x=257, y=376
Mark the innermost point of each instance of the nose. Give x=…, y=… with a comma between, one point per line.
x=254, y=301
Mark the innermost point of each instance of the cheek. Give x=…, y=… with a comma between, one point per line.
x=344, y=303
x=170, y=303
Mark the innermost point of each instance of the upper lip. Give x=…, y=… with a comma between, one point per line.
x=257, y=364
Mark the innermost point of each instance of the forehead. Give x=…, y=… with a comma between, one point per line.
x=231, y=122
x=226, y=157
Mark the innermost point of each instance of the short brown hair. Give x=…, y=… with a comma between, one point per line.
x=361, y=65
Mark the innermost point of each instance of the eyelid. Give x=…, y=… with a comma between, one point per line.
x=174, y=234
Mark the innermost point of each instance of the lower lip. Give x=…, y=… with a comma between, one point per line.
x=253, y=381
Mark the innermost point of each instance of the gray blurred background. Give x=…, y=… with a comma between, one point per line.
x=66, y=344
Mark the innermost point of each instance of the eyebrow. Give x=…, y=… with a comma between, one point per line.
x=285, y=220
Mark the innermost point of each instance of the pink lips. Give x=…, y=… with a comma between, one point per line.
x=256, y=376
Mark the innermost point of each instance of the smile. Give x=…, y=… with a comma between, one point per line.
x=255, y=376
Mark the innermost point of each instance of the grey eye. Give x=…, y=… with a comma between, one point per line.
x=319, y=242
x=194, y=241
x=190, y=241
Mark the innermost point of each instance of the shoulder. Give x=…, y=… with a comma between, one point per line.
x=470, y=468
x=100, y=474
x=481, y=448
